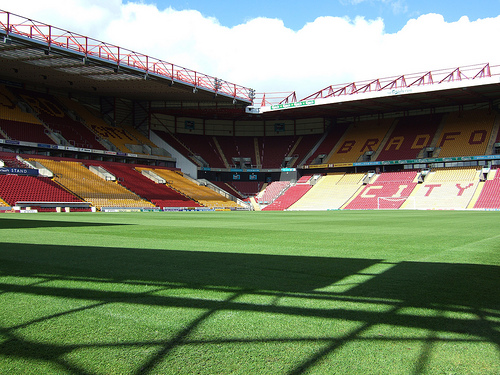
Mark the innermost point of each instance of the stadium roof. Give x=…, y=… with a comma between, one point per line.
x=40, y=54
x=35, y=53
x=447, y=87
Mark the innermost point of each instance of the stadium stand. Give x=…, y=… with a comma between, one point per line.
x=274, y=150
x=3, y=203
x=10, y=160
x=201, y=194
x=114, y=134
x=159, y=194
x=409, y=137
x=54, y=116
x=327, y=144
x=229, y=149
x=490, y=193
x=466, y=133
x=272, y=191
x=450, y=189
x=288, y=198
x=9, y=109
x=360, y=138
x=388, y=191
x=77, y=178
x=322, y=195
x=177, y=142
x=303, y=145
x=17, y=124
x=202, y=146
x=14, y=188
x=247, y=188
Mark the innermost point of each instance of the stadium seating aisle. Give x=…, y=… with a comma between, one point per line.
x=326, y=146
x=116, y=135
x=201, y=194
x=289, y=197
x=326, y=194
x=175, y=143
x=203, y=146
x=304, y=145
x=75, y=177
x=360, y=137
x=9, y=109
x=409, y=137
x=3, y=203
x=273, y=150
x=10, y=160
x=54, y=115
x=490, y=194
x=450, y=189
x=161, y=195
x=466, y=133
x=272, y=191
x=389, y=191
x=247, y=188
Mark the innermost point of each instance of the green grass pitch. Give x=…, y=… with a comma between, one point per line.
x=337, y=292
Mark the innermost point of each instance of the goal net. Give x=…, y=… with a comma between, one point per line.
x=393, y=203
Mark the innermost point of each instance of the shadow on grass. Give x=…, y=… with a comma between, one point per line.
x=6, y=223
x=452, y=291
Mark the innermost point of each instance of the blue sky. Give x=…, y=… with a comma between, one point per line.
x=295, y=14
x=284, y=46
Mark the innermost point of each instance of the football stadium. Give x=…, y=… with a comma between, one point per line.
x=159, y=220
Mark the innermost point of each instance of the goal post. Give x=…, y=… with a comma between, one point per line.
x=394, y=203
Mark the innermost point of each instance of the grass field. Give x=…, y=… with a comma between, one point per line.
x=338, y=292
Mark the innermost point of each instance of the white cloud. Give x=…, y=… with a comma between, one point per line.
x=265, y=55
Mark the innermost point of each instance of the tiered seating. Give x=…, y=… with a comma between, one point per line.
x=466, y=133
x=116, y=135
x=229, y=188
x=237, y=147
x=230, y=149
x=392, y=189
x=291, y=195
x=10, y=111
x=247, y=188
x=273, y=150
x=409, y=137
x=10, y=160
x=351, y=179
x=14, y=188
x=55, y=117
x=447, y=189
x=327, y=145
x=3, y=203
x=202, y=194
x=304, y=144
x=360, y=138
x=22, y=131
x=304, y=179
x=119, y=136
x=397, y=177
x=272, y=191
x=175, y=143
x=490, y=194
x=161, y=195
x=75, y=177
x=18, y=125
x=139, y=136
x=203, y=146
x=325, y=195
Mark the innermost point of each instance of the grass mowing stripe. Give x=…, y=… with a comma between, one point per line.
x=411, y=292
